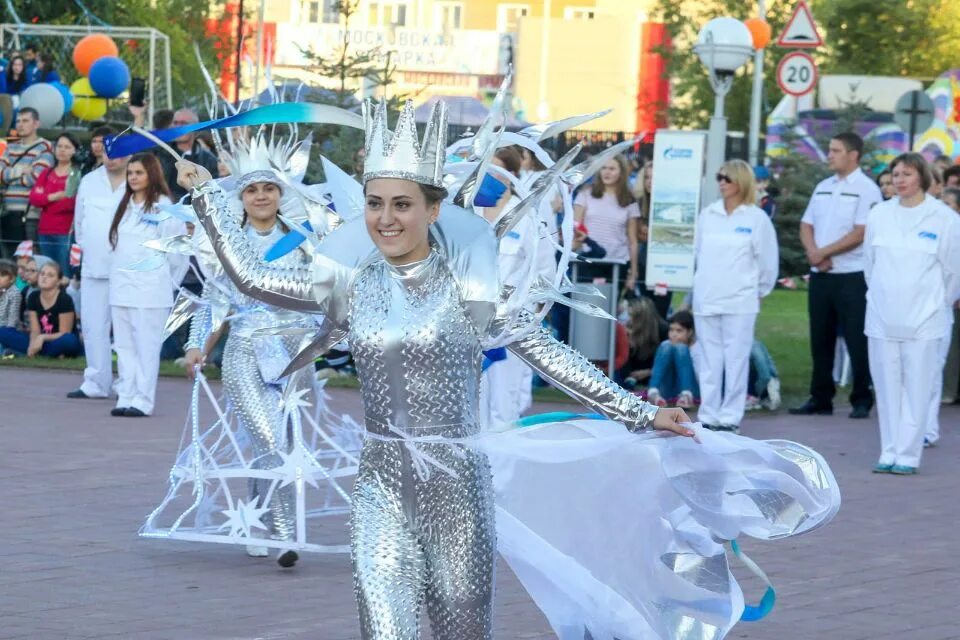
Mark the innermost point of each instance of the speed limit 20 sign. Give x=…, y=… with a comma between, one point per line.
x=797, y=73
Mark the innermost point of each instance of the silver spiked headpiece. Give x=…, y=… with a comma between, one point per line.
x=401, y=154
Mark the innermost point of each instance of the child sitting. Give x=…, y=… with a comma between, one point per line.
x=9, y=295
x=673, y=374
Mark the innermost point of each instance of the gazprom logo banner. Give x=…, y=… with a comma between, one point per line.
x=678, y=153
x=674, y=205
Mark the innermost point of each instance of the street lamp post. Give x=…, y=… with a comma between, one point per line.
x=723, y=46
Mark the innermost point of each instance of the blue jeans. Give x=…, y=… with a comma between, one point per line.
x=66, y=345
x=57, y=248
x=762, y=370
x=673, y=371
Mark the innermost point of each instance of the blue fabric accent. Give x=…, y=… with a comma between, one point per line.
x=490, y=192
x=753, y=613
x=287, y=243
x=556, y=416
x=493, y=355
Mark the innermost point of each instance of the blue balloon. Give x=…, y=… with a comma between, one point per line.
x=109, y=77
x=67, y=96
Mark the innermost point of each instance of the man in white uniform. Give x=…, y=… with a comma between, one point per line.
x=98, y=197
x=832, y=233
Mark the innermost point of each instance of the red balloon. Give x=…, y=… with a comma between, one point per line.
x=90, y=49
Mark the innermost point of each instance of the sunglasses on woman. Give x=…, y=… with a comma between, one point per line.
x=724, y=178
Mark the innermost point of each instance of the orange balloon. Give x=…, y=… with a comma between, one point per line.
x=760, y=30
x=90, y=49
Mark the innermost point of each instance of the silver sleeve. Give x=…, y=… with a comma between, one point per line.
x=286, y=286
x=201, y=324
x=573, y=374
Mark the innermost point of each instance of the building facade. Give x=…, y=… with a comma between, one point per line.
x=569, y=56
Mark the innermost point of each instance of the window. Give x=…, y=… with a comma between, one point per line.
x=448, y=16
x=508, y=16
x=326, y=11
x=331, y=11
x=578, y=13
x=388, y=13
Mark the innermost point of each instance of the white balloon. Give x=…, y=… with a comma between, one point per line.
x=47, y=100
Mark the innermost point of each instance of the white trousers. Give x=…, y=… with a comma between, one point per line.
x=95, y=319
x=505, y=392
x=724, y=366
x=904, y=374
x=933, y=415
x=137, y=339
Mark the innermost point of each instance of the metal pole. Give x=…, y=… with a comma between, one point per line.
x=914, y=108
x=153, y=74
x=716, y=143
x=756, y=99
x=614, y=300
x=166, y=55
x=236, y=91
x=256, y=76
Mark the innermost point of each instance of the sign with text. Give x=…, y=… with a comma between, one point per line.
x=675, y=202
x=797, y=73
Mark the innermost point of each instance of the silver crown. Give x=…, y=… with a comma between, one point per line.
x=401, y=154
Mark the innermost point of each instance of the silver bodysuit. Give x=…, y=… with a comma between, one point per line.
x=250, y=368
x=421, y=533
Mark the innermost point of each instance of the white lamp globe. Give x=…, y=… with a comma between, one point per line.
x=724, y=44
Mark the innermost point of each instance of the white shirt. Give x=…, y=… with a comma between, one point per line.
x=912, y=266
x=97, y=202
x=142, y=287
x=837, y=206
x=736, y=260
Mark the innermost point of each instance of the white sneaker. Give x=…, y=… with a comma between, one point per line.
x=685, y=401
x=328, y=372
x=255, y=551
x=654, y=397
x=773, y=394
x=753, y=403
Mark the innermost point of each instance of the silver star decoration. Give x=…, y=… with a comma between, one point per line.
x=243, y=518
x=297, y=464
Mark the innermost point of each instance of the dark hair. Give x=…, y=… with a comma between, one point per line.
x=535, y=163
x=682, y=318
x=643, y=327
x=72, y=139
x=953, y=191
x=31, y=47
x=885, y=172
x=8, y=268
x=624, y=197
x=162, y=118
x=33, y=112
x=919, y=163
x=103, y=131
x=850, y=142
x=156, y=187
x=49, y=65
x=951, y=171
x=20, y=83
x=511, y=159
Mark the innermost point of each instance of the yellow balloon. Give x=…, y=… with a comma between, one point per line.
x=86, y=104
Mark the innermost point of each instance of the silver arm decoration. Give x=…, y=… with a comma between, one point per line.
x=201, y=325
x=288, y=287
x=573, y=374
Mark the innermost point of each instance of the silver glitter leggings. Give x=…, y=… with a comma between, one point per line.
x=417, y=541
x=257, y=405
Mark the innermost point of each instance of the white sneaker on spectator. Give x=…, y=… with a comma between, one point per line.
x=180, y=362
x=325, y=373
x=654, y=397
x=255, y=551
x=753, y=403
x=685, y=400
x=773, y=394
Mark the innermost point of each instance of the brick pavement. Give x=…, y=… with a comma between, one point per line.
x=79, y=483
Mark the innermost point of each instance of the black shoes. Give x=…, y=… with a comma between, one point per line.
x=287, y=558
x=127, y=412
x=861, y=412
x=809, y=408
x=77, y=393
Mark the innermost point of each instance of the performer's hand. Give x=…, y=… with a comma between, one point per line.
x=189, y=175
x=192, y=359
x=673, y=420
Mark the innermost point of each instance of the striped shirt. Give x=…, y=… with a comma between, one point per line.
x=36, y=157
x=606, y=222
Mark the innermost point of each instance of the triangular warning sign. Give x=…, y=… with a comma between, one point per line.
x=801, y=31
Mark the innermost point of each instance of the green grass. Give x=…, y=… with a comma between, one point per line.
x=782, y=326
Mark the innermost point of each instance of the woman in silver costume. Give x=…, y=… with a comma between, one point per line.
x=417, y=311
x=251, y=363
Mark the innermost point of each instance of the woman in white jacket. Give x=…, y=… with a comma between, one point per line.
x=736, y=264
x=912, y=267
x=142, y=282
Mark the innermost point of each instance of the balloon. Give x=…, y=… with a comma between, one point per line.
x=65, y=92
x=46, y=99
x=760, y=31
x=90, y=49
x=86, y=104
x=109, y=77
